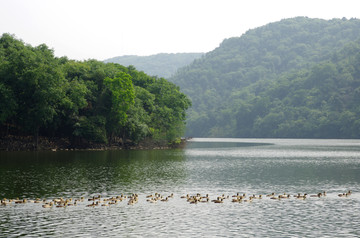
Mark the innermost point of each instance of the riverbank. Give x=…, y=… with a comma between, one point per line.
x=26, y=143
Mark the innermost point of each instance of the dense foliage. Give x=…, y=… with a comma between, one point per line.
x=295, y=78
x=161, y=65
x=84, y=100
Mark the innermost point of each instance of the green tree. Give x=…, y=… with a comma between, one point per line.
x=85, y=101
x=169, y=113
x=8, y=103
x=36, y=79
x=122, y=97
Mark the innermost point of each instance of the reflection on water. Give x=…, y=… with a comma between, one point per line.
x=206, y=166
x=81, y=173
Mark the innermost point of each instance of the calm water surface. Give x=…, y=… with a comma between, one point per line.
x=206, y=166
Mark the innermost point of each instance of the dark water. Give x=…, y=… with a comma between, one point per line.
x=206, y=166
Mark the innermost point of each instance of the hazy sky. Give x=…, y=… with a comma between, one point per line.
x=101, y=29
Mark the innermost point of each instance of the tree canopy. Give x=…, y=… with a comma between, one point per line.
x=91, y=101
x=298, y=78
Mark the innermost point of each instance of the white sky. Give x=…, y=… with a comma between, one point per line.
x=101, y=29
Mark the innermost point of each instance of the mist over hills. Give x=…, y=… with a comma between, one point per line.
x=299, y=78
x=161, y=65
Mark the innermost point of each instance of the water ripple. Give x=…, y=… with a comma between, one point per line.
x=291, y=166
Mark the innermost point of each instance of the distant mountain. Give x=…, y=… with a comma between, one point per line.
x=298, y=77
x=161, y=65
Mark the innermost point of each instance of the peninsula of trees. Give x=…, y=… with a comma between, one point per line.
x=84, y=101
x=296, y=78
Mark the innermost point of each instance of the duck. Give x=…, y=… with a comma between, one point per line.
x=316, y=195
x=48, y=205
x=193, y=201
x=248, y=200
x=58, y=200
x=276, y=198
x=205, y=200
x=204, y=197
x=93, y=204
x=132, y=196
x=4, y=202
x=284, y=196
x=236, y=199
x=73, y=204
x=302, y=197
x=270, y=195
x=119, y=198
x=193, y=198
x=152, y=200
x=299, y=195
x=92, y=199
x=38, y=200
x=62, y=204
x=185, y=196
x=21, y=201
x=113, y=202
x=255, y=197
x=237, y=195
x=111, y=199
x=218, y=200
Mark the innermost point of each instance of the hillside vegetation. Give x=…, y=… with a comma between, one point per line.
x=161, y=65
x=297, y=78
x=84, y=101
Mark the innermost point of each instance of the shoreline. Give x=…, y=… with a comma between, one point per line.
x=26, y=143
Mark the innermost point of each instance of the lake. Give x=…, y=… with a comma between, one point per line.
x=215, y=167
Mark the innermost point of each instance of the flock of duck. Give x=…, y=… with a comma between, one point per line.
x=157, y=197
x=238, y=198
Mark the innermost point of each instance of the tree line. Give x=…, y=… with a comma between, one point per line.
x=297, y=78
x=85, y=101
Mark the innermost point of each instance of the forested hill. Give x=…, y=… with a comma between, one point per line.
x=84, y=102
x=298, y=77
x=162, y=65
